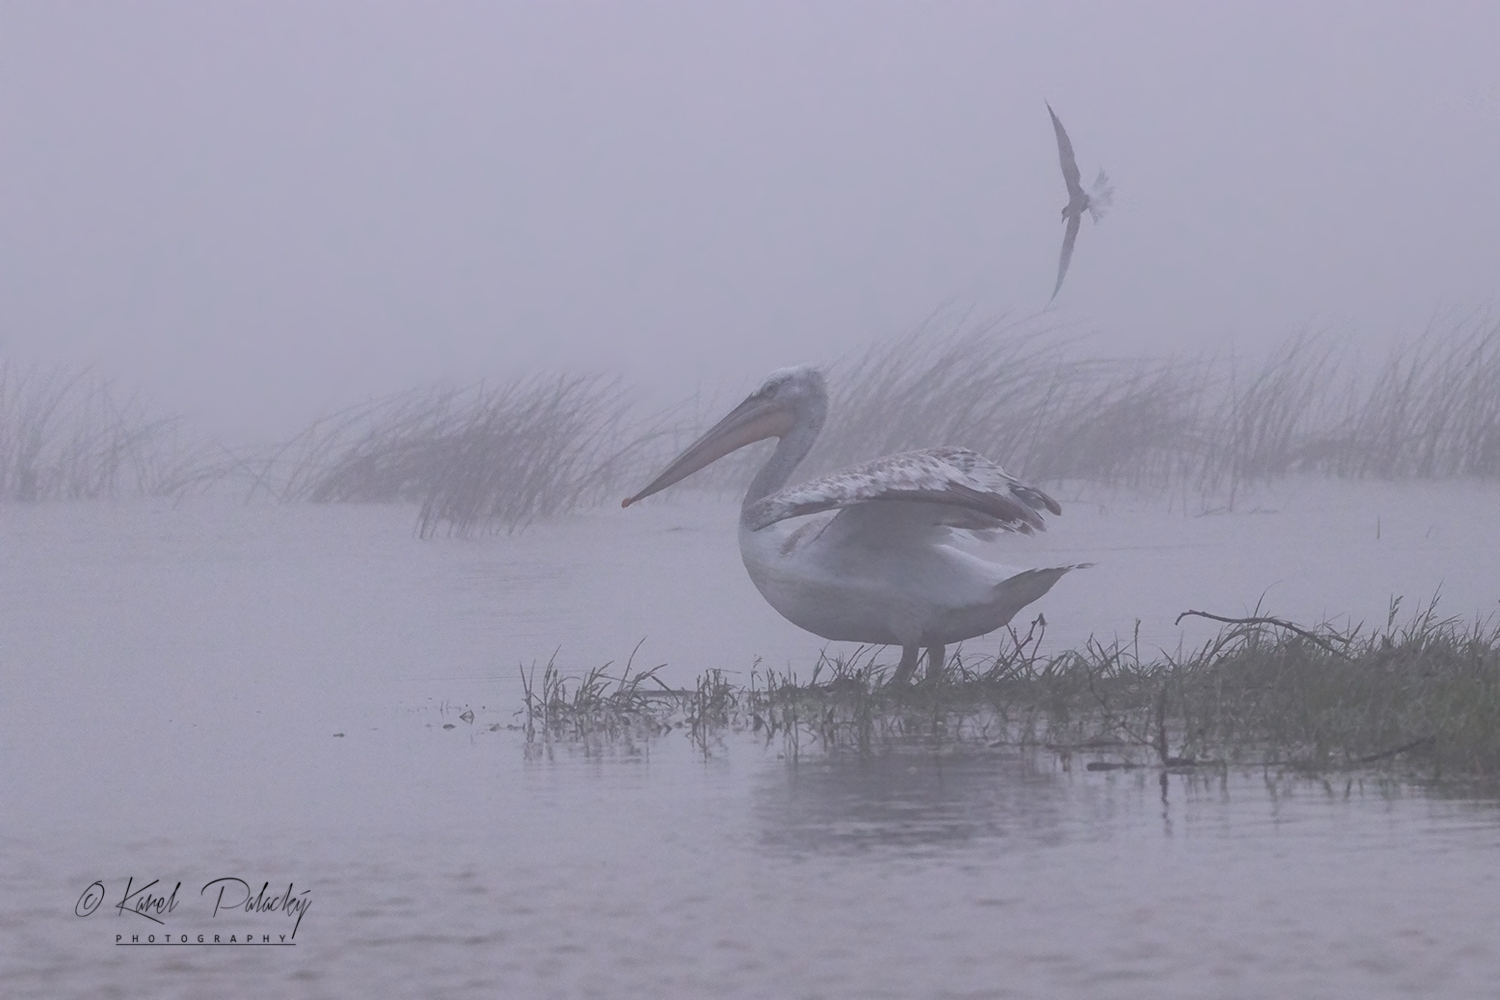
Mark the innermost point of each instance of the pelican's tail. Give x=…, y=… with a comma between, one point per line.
x=1101, y=197
x=1014, y=593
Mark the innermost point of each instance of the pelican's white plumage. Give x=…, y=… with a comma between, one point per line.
x=867, y=554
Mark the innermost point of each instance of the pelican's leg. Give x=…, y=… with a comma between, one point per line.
x=936, y=655
x=907, y=666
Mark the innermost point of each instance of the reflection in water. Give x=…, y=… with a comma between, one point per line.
x=1166, y=803
x=175, y=678
x=909, y=796
x=906, y=797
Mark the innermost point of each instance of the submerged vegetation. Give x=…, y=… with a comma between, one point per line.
x=1423, y=696
x=484, y=457
x=597, y=706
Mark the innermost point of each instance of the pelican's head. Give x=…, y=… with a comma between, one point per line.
x=799, y=389
x=789, y=398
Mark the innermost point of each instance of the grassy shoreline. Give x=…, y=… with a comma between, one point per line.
x=1421, y=697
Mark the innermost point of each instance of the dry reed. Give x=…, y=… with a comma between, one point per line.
x=1028, y=396
x=472, y=458
x=1030, y=399
x=66, y=435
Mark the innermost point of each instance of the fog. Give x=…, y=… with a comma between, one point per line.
x=615, y=753
x=255, y=212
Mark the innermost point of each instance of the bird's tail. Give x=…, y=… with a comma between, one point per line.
x=1101, y=197
x=1016, y=592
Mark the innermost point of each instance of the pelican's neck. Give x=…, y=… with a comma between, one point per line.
x=791, y=449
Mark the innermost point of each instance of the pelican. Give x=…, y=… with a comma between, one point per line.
x=866, y=554
x=1079, y=200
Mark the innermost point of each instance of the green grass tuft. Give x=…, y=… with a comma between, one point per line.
x=1422, y=697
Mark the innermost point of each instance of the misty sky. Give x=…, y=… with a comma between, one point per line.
x=255, y=212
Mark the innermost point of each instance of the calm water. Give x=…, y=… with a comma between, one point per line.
x=174, y=680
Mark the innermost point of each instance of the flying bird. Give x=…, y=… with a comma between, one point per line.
x=868, y=554
x=1079, y=200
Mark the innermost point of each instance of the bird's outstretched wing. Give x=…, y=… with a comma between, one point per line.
x=1065, y=154
x=962, y=488
x=1069, y=236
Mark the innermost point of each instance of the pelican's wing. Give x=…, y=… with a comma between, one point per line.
x=958, y=487
x=1065, y=154
x=1069, y=236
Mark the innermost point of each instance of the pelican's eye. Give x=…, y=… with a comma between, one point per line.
x=770, y=391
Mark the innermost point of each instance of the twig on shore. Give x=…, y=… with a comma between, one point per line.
x=1278, y=622
x=1418, y=744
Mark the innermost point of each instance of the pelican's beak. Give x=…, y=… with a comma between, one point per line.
x=753, y=420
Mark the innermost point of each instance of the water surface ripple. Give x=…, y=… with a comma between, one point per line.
x=279, y=694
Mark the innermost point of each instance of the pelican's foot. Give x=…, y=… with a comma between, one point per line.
x=936, y=657
x=906, y=667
